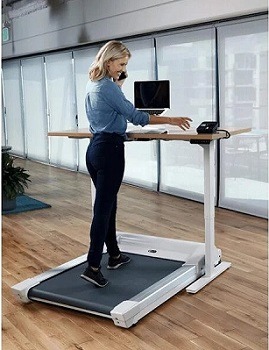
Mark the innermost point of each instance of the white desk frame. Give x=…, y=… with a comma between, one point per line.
x=211, y=269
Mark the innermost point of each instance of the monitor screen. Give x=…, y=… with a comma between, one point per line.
x=152, y=94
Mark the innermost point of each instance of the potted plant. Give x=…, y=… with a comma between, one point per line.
x=14, y=181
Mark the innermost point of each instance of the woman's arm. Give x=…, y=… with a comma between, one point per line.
x=182, y=122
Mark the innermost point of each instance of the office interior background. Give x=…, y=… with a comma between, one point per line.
x=214, y=53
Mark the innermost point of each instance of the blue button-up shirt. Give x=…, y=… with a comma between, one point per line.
x=108, y=109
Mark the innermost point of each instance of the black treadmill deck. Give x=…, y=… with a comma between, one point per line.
x=70, y=290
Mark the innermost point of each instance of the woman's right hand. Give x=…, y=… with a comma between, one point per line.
x=182, y=122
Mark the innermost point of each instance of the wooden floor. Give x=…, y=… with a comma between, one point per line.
x=230, y=313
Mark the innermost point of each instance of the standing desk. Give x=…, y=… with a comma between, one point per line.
x=199, y=263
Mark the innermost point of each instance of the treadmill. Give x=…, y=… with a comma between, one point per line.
x=159, y=268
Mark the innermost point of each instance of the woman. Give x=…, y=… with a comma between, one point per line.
x=108, y=110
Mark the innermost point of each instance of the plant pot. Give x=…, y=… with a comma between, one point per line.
x=8, y=204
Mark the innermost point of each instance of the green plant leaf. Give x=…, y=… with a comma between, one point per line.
x=14, y=178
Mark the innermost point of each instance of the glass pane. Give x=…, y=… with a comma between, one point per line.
x=3, y=134
x=3, y=121
x=12, y=98
x=35, y=109
x=244, y=103
x=62, y=108
x=187, y=60
x=141, y=157
x=83, y=60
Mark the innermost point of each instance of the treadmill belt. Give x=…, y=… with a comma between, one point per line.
x=69, y=289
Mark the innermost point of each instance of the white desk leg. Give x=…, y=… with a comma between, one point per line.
x=93, y=192
x=211, y=252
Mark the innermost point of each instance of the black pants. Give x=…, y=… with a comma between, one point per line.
x=105, y=163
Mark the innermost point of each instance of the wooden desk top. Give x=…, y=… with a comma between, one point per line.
x=170, y=135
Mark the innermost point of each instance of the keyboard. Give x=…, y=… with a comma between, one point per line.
x=153, y=111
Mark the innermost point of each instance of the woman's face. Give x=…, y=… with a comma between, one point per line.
x=116, y=67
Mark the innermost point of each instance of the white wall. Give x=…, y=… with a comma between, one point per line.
x=77, y=22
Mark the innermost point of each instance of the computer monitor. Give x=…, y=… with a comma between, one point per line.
x=152, y=95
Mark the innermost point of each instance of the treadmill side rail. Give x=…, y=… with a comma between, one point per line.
x=21, y=289
x=129, y=312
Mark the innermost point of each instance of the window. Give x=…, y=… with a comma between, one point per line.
x=13, y=108
x=36, y=123
x=243, y=102
x=62, y=108
x=187, y=60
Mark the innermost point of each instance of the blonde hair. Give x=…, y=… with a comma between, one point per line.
x=112, y=50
